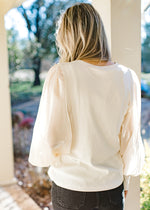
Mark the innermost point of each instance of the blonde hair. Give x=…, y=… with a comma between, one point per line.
x=80, y=34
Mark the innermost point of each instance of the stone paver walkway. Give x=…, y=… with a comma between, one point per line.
x=30, y=107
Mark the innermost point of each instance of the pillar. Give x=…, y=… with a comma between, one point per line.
x=6, y=144
x=6, y=139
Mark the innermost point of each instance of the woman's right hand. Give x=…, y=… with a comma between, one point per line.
x=125, y=193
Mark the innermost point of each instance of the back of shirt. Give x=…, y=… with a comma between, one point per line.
x=97, y=100
x=101, y=108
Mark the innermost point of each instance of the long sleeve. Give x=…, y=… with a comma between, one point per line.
x=131, y=145
x=52, y=133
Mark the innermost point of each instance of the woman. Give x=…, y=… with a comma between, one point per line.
x=88, y=123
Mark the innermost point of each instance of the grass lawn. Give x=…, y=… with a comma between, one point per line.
x=146, y=77
x=23, y=91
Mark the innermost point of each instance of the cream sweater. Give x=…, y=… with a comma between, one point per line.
x=87, y=129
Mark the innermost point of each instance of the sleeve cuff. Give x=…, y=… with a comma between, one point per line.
x=126, y=182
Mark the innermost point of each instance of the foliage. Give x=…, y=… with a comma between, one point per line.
x=14, y=50
x=145, y=181
x=146, y=49
x=41, y=18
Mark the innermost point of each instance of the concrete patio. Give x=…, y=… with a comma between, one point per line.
x=12, y=197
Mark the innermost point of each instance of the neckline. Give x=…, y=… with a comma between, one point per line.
x=93, y=65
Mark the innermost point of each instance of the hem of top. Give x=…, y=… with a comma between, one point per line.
x=38, y=164
x=69, y=187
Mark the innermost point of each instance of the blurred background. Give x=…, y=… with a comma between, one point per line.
x=32, y=51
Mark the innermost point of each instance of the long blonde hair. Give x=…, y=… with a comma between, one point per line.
x=80, y=34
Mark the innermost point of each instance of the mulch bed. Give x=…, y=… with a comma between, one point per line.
x=34, y=181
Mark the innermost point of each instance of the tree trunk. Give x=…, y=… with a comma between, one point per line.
x=36, y=68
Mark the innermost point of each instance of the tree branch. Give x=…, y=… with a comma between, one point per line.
x=146, y=8
x=22, y=10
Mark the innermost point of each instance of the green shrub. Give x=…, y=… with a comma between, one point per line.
x=145, y=180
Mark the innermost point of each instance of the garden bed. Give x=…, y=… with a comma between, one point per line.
x=34, y=181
